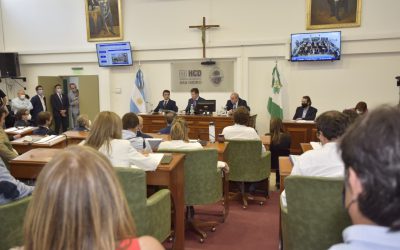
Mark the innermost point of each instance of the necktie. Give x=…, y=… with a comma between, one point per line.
x=165, y=104
x=194, y=103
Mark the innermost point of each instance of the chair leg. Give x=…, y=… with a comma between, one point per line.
x=197, y=226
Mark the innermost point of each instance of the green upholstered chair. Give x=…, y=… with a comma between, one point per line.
x=247, y=165
x=203, y=184
x=152, y=215
x=314, y=218
x=11, y=223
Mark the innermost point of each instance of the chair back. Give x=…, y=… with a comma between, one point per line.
x=133, y=182
x=11, y=223
x=245, y=161
x=315, y=213
x=252, y=121
x=203, y=181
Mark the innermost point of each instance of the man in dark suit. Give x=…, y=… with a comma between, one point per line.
x=235, y=102
x=39, y=103
x=60, y=104
x=193, y=101
x=166, y=104
x=305, y=111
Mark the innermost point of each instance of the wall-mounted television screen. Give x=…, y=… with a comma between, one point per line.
x=114, y=54
x=321, y=46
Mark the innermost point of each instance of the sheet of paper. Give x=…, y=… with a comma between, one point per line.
x=315, y=145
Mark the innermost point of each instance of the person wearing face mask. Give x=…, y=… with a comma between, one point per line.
x=372, y=181
x=22, y=118
x=60, y=105
x=73, y=97
x=305, y=111
x=361, y=108
x=20, y=102
x=38, y=103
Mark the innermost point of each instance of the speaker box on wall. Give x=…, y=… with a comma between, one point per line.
x=9, y=65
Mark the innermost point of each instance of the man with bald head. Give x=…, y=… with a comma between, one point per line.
x=20, y=102
x=234, y=102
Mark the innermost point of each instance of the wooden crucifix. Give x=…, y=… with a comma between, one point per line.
x=203, y=29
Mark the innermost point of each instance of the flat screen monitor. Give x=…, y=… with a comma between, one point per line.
x=321, y=46
x=114, y=54
x=205, y=107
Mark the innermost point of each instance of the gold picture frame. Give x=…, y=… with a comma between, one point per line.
x=103, y=20
x=331, y=14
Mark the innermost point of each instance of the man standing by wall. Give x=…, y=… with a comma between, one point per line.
x=38, y=103
x=60, y=105
x=73, y=98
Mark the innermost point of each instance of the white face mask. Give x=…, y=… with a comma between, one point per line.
x=22, y=97
x=59, y=91
x=29, y=117
x=358, y=112
x=40, y=92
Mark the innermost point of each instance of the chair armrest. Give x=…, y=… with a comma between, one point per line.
x=284, y=225
x=159, y=215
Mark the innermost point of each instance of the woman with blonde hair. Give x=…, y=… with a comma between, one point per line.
x=105, y=136
x=79, y=204
x=179, y=137
x=280, y=145
x=83, y=123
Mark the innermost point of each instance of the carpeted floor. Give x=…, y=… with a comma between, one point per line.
x=253, y=228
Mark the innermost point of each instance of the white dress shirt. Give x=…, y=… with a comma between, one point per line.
x=41, y=98
x=242, y=132
x=122, y=154
x=323, y=162
x=17, y=104
x=137, y=142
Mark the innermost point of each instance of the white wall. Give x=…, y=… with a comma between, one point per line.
x=51, y=38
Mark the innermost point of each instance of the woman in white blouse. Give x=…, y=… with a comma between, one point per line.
x=105, y=136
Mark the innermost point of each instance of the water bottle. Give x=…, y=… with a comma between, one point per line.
x=191, y=109
x=225, y=108
x=211, y=132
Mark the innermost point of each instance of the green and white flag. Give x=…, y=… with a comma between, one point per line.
x=274, y=106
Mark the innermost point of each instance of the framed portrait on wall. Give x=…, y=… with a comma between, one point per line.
x=331, y=14
x=103, y=20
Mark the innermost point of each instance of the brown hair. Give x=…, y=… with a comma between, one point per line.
x=77, y=204
x=83, y=120
x=43, y=117
x=130, y=120
x=241, y=116
x=106, y=126
x=276, y=129
x=179, y=130
x=362, y=107
x=20, y=113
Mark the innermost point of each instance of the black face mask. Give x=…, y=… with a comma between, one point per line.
x=304, y=105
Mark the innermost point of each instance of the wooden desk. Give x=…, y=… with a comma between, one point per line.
x=300, y=132
x=285, y=168
x=22, y=132
x=23, y=146
x=198, y=124
x=29, y=165
x=306, y=147
x=75, y=137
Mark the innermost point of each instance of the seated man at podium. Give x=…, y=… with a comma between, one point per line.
x=193, y=101
x=234, y=102
x=305, y=111
x=167, y=103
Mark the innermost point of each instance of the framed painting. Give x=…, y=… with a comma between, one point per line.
x=103, y=20
x=331, y=14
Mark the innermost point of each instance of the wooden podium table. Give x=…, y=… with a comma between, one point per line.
x=29, y=165
x=75, y=137
x=198, y=124
x=300, y=132
x=23, y=146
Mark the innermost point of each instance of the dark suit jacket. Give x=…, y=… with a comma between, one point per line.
x=310, y=115
x=166, y=130
x=241, y=103
x=37, y=106
x=43, y=131
x=190, y=102
x=57, y=105
x=171, y=105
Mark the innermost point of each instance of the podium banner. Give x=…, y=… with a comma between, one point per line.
x=207, y=78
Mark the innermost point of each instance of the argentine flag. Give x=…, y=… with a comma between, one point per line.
x=274, y=105
x=138, y=103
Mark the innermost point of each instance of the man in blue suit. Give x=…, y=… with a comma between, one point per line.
x=39, y=103
x=193, y=101
x=305, y=111
x=167, y=103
